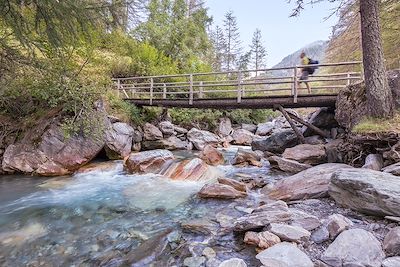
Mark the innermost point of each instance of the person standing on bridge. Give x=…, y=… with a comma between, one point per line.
x=305, y=72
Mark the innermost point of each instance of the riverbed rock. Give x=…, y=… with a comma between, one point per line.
x=305, y=153
x=391, y=262
x=320, y=235
x=202, y=226
x=45, y=150
x=249, y=127
x=201, y=138
x=147, y=161
x=167, y=128
x=194, y=261
x=242, y=137
x=264, y=129
x=235, y=184
x=262, y=240
x=235, y=262
x=336, y=224
x=171, y=143
x=355, y=247
x=277, y=142
x=391, y=243
x=323, y=118
x=220, y=191
x=27, y=233
x=315, y=140
x=191, y=170
x=393, y=169
x=273, y=212
x=245, y=156
x=151, y=132
x=225, y=127
x=118, y=137
x=367, y=191
x=212, y=156
x=284, y=255
x=289, y=232
x=311, y=183
x=148, y=251
x=373, y=162
x=287, y=165
x=180, y=130
x=304, y=220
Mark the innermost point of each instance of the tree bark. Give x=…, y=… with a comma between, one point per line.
x=378, y=93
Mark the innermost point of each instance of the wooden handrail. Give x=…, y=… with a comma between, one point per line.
x=241, y=82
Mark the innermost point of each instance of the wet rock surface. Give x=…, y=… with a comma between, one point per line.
x=311, y=183
x=201, y=138
x=221, y=191
x=287, y=165
x=148, y=161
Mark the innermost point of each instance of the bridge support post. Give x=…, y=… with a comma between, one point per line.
x=151, y=91
x=164, y=95
x=191, y=89
x=239, y=87
x=118, y=86
x=201, y=94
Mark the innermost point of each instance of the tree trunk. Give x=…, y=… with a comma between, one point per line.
x=379, y=96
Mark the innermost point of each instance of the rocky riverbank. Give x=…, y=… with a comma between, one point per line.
x=333, y=200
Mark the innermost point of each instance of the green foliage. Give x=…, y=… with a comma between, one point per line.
x=121, y=109
x=251, y=115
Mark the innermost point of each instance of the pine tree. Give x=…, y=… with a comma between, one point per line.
x=233, y=43
x=219, y=46
x=258, y=52
x=244, y=61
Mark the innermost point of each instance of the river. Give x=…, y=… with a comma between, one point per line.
x=96, y=217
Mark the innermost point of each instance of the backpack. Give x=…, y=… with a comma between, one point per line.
x=312, y=69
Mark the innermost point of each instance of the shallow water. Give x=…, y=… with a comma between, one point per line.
x=74, y=221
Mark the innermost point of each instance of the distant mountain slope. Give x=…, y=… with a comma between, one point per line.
x=315, y=50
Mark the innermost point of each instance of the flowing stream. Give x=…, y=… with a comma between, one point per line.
x=94, y=216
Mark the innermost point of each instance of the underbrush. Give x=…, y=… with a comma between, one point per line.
x=374, y=125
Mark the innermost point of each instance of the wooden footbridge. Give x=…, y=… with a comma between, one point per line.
x=252, y=89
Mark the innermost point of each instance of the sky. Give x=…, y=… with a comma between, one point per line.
x=281, y=35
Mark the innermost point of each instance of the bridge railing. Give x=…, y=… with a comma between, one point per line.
x=328, y=79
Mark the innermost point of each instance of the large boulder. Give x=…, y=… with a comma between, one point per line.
x=191, y=170
x=147, y=161
x=249, y=127
x=367, y=191
x=242, y=137
x=323, y=118
x=235, y=262
x=305, y=153
x=304, y=220
x=151, y=132
x=220, y=191
x=45, y=150
x=118, y=137
x=391, y=262
x=355, y=247
x=170, y=143
x=311, y=183
x=373, y=162
x=391, y=243
x=393, y=169
x=277, y=142
x=265, y=128
x=262, y=240
x=245, y=156
x=201, y=138
x=225, y=127
x=269, y=213
x=284, y=255
x=287, y=165
x=351, y=103
x=212, y=156
x=167, y=128
x=289, y=232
